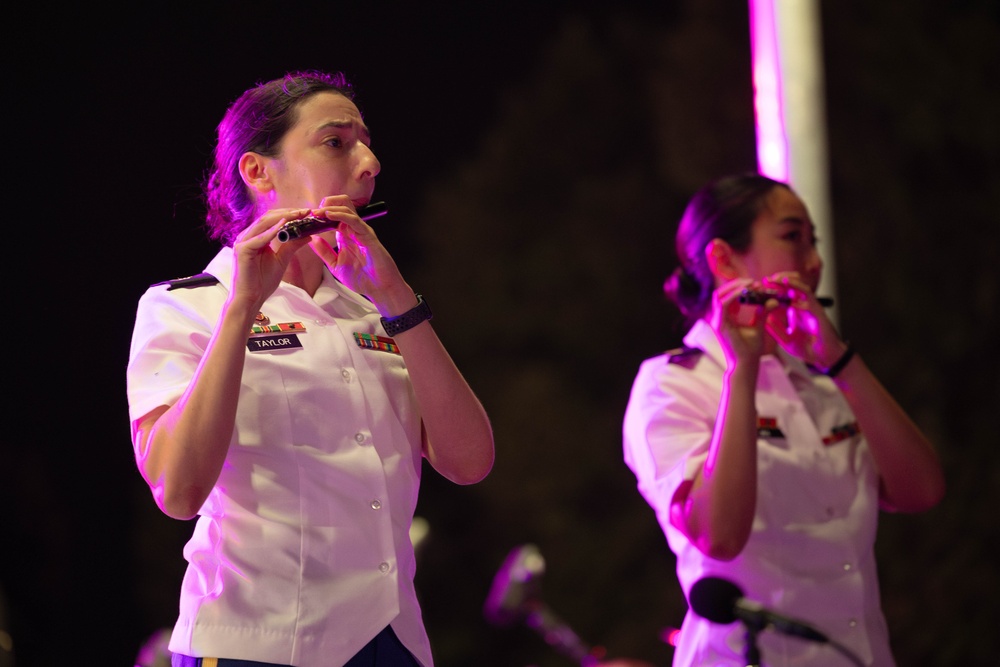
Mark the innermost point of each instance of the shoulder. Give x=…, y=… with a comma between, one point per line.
x=677, y=363
x=684, y=356
x=673, y=373
x=195, y=298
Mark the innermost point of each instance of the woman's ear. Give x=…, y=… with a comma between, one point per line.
x=254, y=168
x=723, y=261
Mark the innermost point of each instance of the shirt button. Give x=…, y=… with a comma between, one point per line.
x=376, y=504
x=346, y=374
x=852, y=623
x=847, y=567
x=383, y=567
x=359, y=437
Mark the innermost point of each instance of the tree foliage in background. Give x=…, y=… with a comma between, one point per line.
x=915, y=157
x=545, y=254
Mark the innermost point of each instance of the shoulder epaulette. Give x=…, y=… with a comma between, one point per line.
x=684, y=356
x=198, y=280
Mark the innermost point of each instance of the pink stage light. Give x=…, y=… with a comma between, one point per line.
x=772, y=140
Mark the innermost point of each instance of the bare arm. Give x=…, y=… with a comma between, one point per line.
x=716, y=511
x=458, y=437
x=911, y=476
x=458, y=440
x=910, y=473
x=180, y=449
x=717, y=508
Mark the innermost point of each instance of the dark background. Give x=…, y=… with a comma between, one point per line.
x=536, y=158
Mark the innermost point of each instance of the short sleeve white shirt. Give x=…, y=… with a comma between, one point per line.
x=301, y=553
x=810, y=555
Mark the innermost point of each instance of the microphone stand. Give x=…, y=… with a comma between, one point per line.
x=846, y=652
x=515, y=596
x=751, y=652
x=556, y=633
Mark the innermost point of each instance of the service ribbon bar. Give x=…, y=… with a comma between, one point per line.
x=767, y=427
x=373, y=342
x=281, y=327
x=841, y=433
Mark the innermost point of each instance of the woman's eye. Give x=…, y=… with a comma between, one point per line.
x=334, y=142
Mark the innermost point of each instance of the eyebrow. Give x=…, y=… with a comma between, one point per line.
x=347, y=124
x=799, y=222
x=795, y=220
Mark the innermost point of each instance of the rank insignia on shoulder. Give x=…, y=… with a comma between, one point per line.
x=684, y=356
x=198, y=280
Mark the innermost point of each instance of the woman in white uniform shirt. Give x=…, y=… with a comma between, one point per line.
x=765, y=445
x=287, y=397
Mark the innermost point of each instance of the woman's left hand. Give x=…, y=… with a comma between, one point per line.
x=802, y=327
x=353, y=252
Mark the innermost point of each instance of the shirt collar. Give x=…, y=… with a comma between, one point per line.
x=221, y=266
x=702, y=336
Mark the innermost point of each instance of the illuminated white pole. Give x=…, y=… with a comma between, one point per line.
x=789, y=111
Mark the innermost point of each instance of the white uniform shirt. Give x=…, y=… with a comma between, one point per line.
x=301, y=553
x=810, y=555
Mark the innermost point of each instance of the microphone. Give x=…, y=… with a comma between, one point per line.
x=721, y=601
x=515, y=596
x=294, y=229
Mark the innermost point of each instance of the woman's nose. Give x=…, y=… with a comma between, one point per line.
x=368, y=164
x=814, y=263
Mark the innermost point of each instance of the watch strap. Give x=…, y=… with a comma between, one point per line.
x=409, y=319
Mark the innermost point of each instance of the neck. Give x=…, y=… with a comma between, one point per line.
x=305, y=271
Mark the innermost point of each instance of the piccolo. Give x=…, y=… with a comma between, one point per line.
x=760, y=297
x=294, y=229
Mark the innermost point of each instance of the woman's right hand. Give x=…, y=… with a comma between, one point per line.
x=739, y=328
x=260, y=260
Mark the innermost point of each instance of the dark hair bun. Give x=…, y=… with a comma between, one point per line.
x=684, y=290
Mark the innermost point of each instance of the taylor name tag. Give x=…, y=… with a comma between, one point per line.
x=271, y=343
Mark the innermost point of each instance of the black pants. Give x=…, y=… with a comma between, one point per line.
x=385, y=650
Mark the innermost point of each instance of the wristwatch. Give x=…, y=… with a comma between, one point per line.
x=409, y=319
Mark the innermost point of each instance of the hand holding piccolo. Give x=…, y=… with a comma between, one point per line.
x=295, y=229
x=760, y=297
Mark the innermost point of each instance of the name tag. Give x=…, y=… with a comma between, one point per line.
x=271, y=343
x=767, y=427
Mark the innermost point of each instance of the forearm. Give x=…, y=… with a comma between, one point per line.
x=911, y=474
x=459, y=437
x=188, y=444
x=723, y=498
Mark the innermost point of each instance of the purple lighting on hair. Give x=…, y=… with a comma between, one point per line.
x=772, y=142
